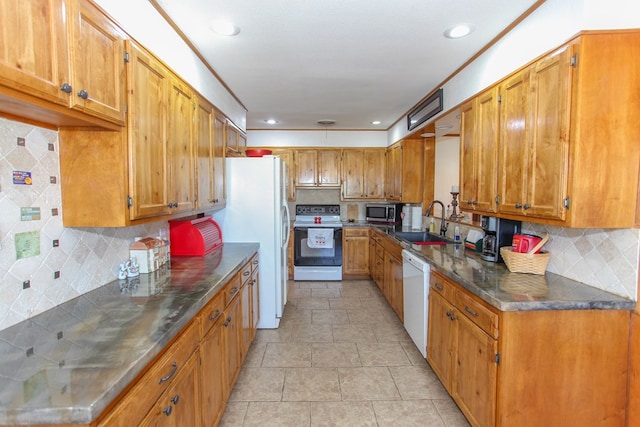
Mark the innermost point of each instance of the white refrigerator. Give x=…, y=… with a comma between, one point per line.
x=257, y=211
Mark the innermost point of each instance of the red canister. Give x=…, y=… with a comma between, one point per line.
x=525, y=242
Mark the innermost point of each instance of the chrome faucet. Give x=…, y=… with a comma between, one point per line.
x=443, y=224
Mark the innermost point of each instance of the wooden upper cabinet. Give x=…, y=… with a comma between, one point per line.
x=180, y=135
x=60, y=58
x=405, y=171
x=148, y=121
x=287, y=154
x=204, y=155
x=97, y=63
x=236, y=141
x=317, y=168
x=219, y=187
x=33, y=48
x=478, y=152
x=363, y=173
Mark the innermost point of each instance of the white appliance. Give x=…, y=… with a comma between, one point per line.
x=256, y=211
x=415, y=280
x=317, y=243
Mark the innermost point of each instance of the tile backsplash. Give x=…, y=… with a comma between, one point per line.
x=84, y=259
x=87, y=258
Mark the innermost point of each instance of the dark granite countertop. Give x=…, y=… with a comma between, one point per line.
x=508, y=291
x=67, y=364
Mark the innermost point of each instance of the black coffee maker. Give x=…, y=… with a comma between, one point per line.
x=497, y=233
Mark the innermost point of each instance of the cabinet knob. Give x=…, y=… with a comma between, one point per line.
x=66, y=88
x=83, y=94
x=526, y=206
x=175, y=399
x=518, y=205
x=167, y=410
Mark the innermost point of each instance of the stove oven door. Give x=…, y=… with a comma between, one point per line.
x=305, y=254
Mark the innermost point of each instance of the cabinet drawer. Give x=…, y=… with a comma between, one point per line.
x=148, y=389
x=356, y=232
x=232, y=289
x=477, y=312
x=379, y=251
x=245, y=273
x=211, y=313
x=443, y=286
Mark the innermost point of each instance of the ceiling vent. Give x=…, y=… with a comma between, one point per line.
x=427, y=109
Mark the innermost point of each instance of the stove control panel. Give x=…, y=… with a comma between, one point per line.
x=317, y=210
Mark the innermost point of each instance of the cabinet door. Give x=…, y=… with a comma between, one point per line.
x=213, y=377
x=219, y=195
x=287, y=158
x=33, y=48
x=468, y=174
x=550, y=117
x=441, y=336
x=232, y=339
x=475, y=373
x=180, y=150
x=148, y=88
x=97, y=59
x=397, y=290
x=486, y=151
x=179, y=405
x=374, y=173
x=329, y=168
x=355, y=251
x=393, y=185
x=204, y=156
x=255, y=298
x=306, y=162
x=514, y=140
x=353, y=170
x=246, y=304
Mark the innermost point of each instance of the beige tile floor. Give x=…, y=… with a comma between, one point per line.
x=341, y=357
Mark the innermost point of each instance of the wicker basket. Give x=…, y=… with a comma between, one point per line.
x=529, y=262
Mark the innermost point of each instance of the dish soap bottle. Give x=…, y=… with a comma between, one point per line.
x=456, y=234
x=432, y=226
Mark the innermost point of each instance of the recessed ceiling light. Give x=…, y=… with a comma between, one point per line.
x=224, y=28
x=376, y=122
x=443, y=127
x=458, y=31
x=271, y=121
x=326, y=122
x=428, y=135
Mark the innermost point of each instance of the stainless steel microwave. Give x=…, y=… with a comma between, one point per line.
x=384, y=213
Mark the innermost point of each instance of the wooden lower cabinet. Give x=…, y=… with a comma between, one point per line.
x=190, y=382
x=376, y=259
x=355, y=253
x=385, y=259
x=179, y=405
x=526, y=368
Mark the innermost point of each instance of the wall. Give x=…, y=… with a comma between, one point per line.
x=321, y=138
x=85, y=258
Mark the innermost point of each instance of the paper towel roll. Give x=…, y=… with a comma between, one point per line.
x=416, y=217
x=406, y=218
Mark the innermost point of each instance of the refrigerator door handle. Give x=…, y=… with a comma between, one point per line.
x=286, y=225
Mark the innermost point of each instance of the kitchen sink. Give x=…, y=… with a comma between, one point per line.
x=421, y=237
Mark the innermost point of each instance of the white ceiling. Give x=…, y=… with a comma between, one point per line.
x=352, y=61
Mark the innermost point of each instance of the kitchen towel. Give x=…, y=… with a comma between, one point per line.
x=320, y=238
x=416, y=217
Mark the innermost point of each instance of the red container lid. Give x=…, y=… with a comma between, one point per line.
x=194, y=237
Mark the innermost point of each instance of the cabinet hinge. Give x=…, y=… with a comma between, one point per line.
x=497, y=200
x=499, y=99
x=129, y=202
x=126, y=57
x=497, y=358
x=567, y=202
x=573, y=61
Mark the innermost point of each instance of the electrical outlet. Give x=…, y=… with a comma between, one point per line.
x=26, y=284
x=56, y=274
x=56, y=243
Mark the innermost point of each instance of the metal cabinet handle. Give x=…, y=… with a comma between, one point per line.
x=526, y=206
x=167, y=410
x=175, y=399
x=255, y=262
x=234, y=291
x=215, y=315
x=246, y=273
x=174, y=368
x=253, y=282
x=83, y=94
x=471, y=312
x=518, y=205
x=172, y=205
x=226, y=323
x=438, y=286
x=66, y=88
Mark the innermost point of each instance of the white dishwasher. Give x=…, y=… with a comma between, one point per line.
x=415, y=282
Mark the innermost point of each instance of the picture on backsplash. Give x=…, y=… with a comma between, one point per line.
x=27, y=244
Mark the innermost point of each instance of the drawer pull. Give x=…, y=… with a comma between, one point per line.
x=450, y=315
x=175, y=399
x=234, y=290
x=226, y=323
x=245, y=273
x=253, y=282
x=167, y=410
x=471, y=312
x=438, y=286
x=255, y=262
x=174, y=368
x=215, y=315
